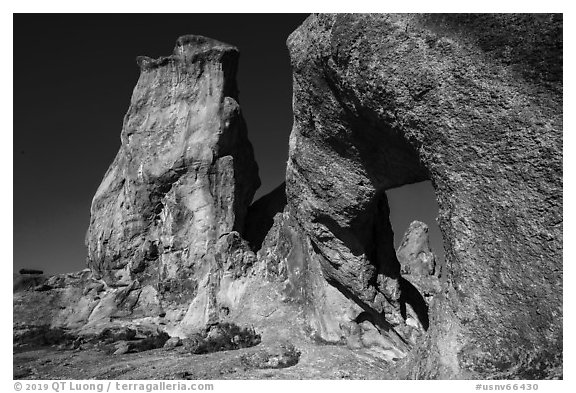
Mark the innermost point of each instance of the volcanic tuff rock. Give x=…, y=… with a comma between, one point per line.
x=414, y=253
x=473, y=103
x=420, y=281
x=379, y=101
x=183, y=178
x=165, y=242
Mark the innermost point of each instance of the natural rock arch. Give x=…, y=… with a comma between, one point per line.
x=379, y=101
x=385, y=100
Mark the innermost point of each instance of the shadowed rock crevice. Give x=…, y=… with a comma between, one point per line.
x=411, y=296
x=338, y=193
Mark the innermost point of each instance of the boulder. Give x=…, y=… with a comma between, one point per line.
x=281, y=355
x=473, y=103
x=288, y=262
x=420, y=281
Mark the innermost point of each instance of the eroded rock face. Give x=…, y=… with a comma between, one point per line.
x=414, y=253
x=165, y=251
x=288, y=259
x=386, y=100
x=183, y=178
x=417, y=260
x=380, y=101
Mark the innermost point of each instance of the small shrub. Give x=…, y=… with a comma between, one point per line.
x=116, y=334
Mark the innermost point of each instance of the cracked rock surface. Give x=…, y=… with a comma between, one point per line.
x=183, y=178
x=473, y=103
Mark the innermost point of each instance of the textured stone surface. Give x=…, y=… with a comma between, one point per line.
x=184, y=175
x=287, y=258
x=420, y=281
x=261, y=215
x=473, y=103
x=164, y=244
x=417, y=260
x=181, y=182
x=288, y=298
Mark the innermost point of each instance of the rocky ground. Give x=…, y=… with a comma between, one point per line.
x=258, y=362
x=315, y=362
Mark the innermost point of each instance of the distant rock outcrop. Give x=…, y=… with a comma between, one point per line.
x=473, y=103
x=417, y=261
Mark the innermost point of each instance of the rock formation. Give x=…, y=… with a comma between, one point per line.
x=182, y=180
x=166, y=247
x=24, y=279
x=175, y=247
x=386, y=100
x=185, y=158
x=420, y=280
x=417, y=261
x=261, y=215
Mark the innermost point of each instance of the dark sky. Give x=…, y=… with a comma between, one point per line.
x=73, y=79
